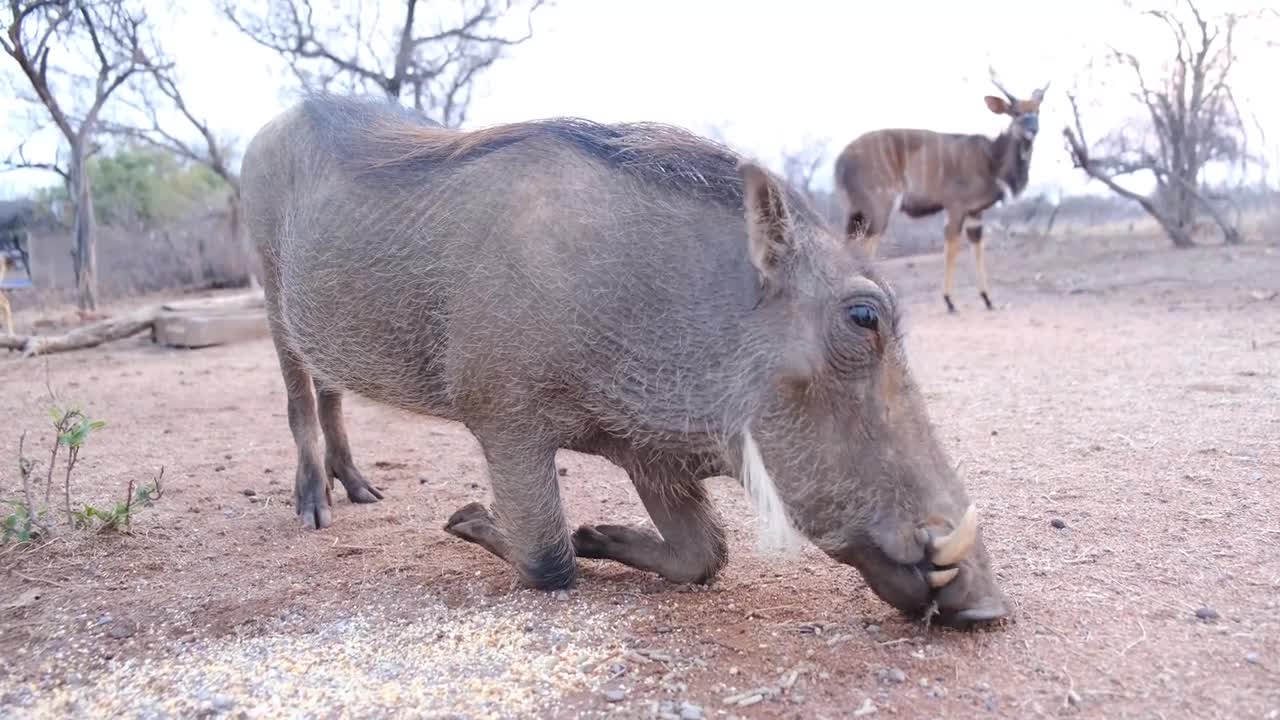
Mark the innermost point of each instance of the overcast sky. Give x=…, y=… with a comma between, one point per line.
x=771, y=75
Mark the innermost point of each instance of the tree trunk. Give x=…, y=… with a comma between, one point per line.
x=83, y=250
x=1053, y=216
x=1179, y=234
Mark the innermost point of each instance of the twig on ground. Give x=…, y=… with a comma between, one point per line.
x=35, y=578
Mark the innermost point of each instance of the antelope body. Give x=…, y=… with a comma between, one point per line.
x=923, y=172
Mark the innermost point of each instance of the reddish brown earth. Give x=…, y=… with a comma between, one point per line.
x=1117, y=419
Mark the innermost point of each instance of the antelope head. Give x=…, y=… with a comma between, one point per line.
x=1025, y=114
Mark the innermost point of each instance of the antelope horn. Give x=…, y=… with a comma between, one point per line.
x=950, y=548
x=995, y=81
x=1039, y=94
x=938, y=578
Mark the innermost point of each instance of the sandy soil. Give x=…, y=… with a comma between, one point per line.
x=1117, y=419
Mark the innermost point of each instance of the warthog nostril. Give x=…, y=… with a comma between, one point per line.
x=982, y=614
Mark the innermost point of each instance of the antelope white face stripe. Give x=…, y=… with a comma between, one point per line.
x=1008, y=191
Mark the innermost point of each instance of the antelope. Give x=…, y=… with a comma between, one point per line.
x=923, y=172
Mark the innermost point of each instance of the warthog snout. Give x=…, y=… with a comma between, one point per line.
x=939, y=567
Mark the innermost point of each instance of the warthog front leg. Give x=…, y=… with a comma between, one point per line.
x=338, y=462
x=691, y=546
x=526, y=526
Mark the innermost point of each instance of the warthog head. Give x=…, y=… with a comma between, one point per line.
x=840, y=445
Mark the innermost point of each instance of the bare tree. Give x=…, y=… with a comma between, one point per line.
x=434, y=60
x=1193, y=118
x=111, y=32
x=200, y=145
x=802, y=165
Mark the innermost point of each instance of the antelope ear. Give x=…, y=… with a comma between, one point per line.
x=996, y=105
x=768, y=223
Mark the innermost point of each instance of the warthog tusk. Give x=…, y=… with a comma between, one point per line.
x=955, y=545
x=938, y=578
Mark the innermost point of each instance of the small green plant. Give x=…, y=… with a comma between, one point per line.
x=23, y=524
x=18, y=525
x=29, y=519
x=119, y=516
x=73, y=429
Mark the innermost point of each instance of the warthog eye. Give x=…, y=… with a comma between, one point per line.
x=864, y=316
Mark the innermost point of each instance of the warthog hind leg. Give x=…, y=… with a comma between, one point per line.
x=338, y=462
x=689, y=546
x=311, y=488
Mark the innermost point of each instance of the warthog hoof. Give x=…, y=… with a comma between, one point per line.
x=314, y=503
x=599, y=542
x=474, y=523
x=358, y=489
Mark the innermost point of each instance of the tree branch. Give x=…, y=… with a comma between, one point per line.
x=437, y=67
x=22, y=162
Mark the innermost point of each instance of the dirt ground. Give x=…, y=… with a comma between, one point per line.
x=1117, y=419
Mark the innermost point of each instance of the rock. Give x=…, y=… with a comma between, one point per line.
x=219, y=468
x=562, y=595
x=123, y=629
x=867, y=708
x=1058, y=523
x=614, y=695
x=1253, y=658
x=873, y=628
x=689, y=711
x=562, y=471
x=1207, y=614
x=896, y=676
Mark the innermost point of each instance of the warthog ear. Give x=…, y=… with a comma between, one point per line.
x=768, y=233
x=996, y=105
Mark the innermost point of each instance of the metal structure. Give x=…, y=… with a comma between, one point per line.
x=15, y=253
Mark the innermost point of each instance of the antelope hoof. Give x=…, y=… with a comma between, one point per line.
x=987, y=300
x=950, y=307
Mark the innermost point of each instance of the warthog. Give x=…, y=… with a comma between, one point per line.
x=630, y=291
